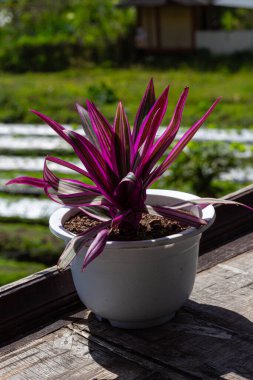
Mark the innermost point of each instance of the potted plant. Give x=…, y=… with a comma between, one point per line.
x=134, y=260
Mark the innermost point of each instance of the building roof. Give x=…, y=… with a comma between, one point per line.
x=219, y=3
x=234, y=3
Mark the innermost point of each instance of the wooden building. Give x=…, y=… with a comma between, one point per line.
x=187, y=25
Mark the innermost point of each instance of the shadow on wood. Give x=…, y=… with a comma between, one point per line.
x=202, y=341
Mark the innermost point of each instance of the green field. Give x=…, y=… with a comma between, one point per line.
x=12, y=270
x=56, y=93
x=25, y=249
x=29, y=242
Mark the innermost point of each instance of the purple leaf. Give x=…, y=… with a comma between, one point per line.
x=61, y=185
x=122, y=142
x=144, y=150
x=153, y=120
x=102, y=129
x=166, y=139
x=146, y=104
x=66, y=164
x=71, y=137
x=54, y=125
x=96, y=247
x=129, y=192
x=130, y=217
x=87, y=126
x=99, y=123
x=36, y=182
x=76, y=244
x=65, y=186
x=179, y=146
x=95, y=164
x=147, y=133
x=69, y=192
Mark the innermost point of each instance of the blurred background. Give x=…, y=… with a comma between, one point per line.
x=54, y=54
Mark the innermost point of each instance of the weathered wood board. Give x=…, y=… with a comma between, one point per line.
x=211, y=337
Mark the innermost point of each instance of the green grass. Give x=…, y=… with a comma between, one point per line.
x=12, y=270
x=26, y=248
x=23, y=241
x=56, y=93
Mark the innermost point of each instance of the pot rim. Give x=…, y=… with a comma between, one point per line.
x=208, y=213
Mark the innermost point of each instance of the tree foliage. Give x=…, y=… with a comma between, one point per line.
x=236, y=19
x=87, y=29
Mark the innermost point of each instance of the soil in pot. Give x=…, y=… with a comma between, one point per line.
x=150, y=227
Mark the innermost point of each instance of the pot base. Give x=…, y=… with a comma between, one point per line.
x=139, y=324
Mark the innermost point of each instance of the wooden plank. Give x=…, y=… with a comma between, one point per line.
x=225, y=252
x=231, y=222
x=35, y=300
x=210, y=338
x=64, y=355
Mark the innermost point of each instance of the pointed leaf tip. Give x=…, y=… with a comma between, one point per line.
x=146, y=104
x=96, y=248
x=76, y=244
x=36, y=182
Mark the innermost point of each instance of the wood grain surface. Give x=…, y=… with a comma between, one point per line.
x=211, y=337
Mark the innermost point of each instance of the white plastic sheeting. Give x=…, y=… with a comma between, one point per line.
x=34, y=164
x=22, y=132
x=27, y=208
x=46, y=144
x=28, y=129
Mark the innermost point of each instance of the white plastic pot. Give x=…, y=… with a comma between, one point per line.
x=136, y=284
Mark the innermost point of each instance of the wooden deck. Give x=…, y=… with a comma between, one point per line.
x=211, y=337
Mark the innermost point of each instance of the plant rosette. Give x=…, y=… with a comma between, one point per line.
x=119, y=164
x=137, y=284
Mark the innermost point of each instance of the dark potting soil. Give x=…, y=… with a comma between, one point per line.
x=150, y=227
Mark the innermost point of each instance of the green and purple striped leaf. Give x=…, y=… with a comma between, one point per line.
x=58, y=128
x=103, y=131
x=87, y=126
x=152, y=121
x=96, y=247
x=65, y=186
x=146, y=104
x=94, y=162
x=122, y=143
x=129, y=192
x=76, y=199
x=101, y=212
x=69, y=165
x=176, y=214
x=180, y=146
x=166, y=139
x=36, y=182
x=77, y=243
x=204, y=202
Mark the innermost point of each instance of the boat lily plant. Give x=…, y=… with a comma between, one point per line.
x=122, y=162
